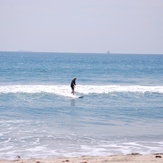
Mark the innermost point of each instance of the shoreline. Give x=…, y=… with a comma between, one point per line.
x=129, y=158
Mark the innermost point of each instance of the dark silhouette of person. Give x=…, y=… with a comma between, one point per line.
x=73, y=83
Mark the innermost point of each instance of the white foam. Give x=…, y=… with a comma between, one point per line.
x=119, y=88
x=65, y=90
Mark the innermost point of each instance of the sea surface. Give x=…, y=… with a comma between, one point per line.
x=121, y=112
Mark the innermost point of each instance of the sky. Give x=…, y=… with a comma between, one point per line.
x=82, y=26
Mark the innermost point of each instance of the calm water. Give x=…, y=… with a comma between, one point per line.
x=121, y=112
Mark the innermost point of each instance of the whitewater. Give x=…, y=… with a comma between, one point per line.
x=81, y=89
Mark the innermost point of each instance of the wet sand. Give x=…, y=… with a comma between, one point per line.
x=131, y=158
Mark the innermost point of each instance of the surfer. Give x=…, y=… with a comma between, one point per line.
x=73, y=83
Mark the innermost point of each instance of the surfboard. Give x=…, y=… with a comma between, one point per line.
x=76, y=96
x=81, y=97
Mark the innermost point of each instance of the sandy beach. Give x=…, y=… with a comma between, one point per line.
x=131, y=158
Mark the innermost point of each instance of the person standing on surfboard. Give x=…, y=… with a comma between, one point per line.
x=73, y=83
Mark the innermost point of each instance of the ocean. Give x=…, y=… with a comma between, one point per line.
x=121, y=112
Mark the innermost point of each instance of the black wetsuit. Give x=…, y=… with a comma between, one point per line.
x=73, y=83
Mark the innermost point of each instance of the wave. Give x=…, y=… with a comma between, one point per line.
x=64, y=90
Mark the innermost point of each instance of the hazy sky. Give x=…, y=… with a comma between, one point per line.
x=118, y=26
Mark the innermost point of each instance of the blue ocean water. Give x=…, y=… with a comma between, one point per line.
x=121, y=112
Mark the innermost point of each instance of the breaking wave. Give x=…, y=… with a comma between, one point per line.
x=65, y=90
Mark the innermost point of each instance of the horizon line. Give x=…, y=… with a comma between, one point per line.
x=107, y=52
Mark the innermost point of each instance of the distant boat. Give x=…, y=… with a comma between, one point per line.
x=108, y=52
